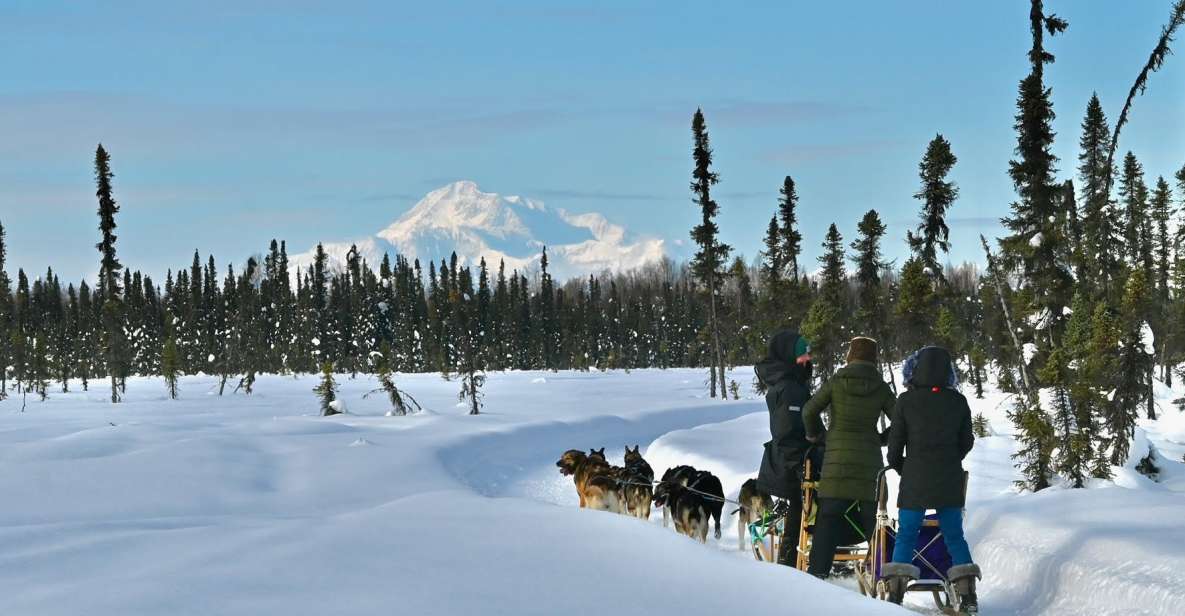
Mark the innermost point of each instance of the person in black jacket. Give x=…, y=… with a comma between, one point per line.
x=786, y=374
x=930, y=436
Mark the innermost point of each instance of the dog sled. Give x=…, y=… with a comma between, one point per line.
x=768, y=533
x=867, y=558
x=931, y=557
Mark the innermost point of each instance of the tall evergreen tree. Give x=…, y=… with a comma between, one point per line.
x=1102, y=244
x=791, y=237
x=937, y=196
x=1032, y=244
x=1133, y=377
x=1160, y=215
x=824, y=325
x=870, y=312
x=109, y=274
x=1134, y=192
x=710, y=258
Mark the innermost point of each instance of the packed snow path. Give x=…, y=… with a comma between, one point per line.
x=253, y=505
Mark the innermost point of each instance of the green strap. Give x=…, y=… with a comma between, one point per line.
x=856, y=527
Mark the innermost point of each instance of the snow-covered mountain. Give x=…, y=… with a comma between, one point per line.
x=460, y=217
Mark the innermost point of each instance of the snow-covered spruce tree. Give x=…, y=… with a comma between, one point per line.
x=467, y=353
x=249, y=333
x=1133, y=368
x=401, y=401
x=712, y=253
x=937, y=196
x=1097, y=372
x=170, y=364
x=5, y=318
x=870, y=293
x=1102, y=244
x=326, y=390
x=114, y=352
x=825, y=323
x=1084, y=394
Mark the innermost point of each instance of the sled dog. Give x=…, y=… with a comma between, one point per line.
x=676, y=476
x=637, y=480
x=754, y=503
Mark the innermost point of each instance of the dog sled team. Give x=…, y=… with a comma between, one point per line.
x=820, y=498
x=693, y=499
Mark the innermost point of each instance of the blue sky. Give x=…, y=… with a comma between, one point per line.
x=230, y=123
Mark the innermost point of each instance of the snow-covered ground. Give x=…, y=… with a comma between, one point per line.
x=254, y=505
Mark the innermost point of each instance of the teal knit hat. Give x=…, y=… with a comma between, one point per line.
x=802, y=347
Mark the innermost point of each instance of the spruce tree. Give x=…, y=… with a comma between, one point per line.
x=1079, y=393
x=1033, y=243
x=772, y=280
x=1133, y=369
x=791, y=237
x=1097, y=377
x=1102, y=244
x=870, y=310
x=937, y=196
x=170, y=364
x=1160, y=216
x=467, y=357
x=824, y=325
x=916, y=307
x=1134, y=193
x=401, y=401
x=109, y=278
x=326, y=390
x=709, y=260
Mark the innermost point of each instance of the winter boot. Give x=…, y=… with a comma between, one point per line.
x=897, y=577
x=963, y=578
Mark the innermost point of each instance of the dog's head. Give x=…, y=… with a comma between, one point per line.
x=597, y=454
x=571, y=459
x=662, y=494
x=633, y=456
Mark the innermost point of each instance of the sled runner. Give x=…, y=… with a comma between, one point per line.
x=930, y=557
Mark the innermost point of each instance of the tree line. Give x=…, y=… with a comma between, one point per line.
x=1081, y=304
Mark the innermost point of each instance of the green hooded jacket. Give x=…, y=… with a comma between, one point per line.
x=857, y=396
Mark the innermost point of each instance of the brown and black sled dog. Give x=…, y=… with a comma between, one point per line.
x=754, y=503
x=594, y=479
x=637, y=479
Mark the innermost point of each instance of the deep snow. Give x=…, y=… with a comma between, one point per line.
x=253, y=505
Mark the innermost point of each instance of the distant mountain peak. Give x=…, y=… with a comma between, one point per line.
x=460, y=218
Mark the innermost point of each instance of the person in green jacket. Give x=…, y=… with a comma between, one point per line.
x=858, y=396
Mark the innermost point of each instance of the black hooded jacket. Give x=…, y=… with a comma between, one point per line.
x=788, y=389
x=931, y=435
